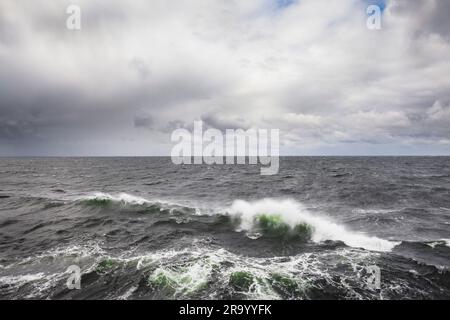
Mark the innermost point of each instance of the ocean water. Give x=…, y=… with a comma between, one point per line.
x=143, y=228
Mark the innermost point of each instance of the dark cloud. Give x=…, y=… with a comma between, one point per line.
x=143, y=121
x=310, y=68
x=214, y=121
x=428, y=17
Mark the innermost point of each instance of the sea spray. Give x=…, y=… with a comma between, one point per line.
x=289, y=214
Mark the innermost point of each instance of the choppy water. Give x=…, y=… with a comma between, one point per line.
x=143, y=228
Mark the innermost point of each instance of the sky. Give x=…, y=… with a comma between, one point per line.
x=137, y=70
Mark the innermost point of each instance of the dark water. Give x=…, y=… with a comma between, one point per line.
x=143, y=228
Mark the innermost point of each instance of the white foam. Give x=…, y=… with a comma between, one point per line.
x=21, y=278
x=445, y=242
x=127, y=294
x=294, y=213
x=129, y=199
x=121, y=197
x=190, y=269
x=377, y=211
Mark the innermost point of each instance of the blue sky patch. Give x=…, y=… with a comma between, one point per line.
x=284, y=3
x=380, y=3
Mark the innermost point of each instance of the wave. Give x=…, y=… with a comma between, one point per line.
x=194, y=272
x=293, y=214
x=125, y=200
x=274, y=226
x=377, y=211
x=441, y=242
x=100, y=198
x=201, y=270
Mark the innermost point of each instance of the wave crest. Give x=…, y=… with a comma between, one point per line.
x=100, y=198
x=294, y=214
x=136, y=203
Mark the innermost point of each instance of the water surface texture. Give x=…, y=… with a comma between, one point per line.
x=143, y=228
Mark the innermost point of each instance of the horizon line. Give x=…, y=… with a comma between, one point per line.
x=168, y=156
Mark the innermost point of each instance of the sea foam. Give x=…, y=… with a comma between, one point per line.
x=294, y=213
x=121, y=197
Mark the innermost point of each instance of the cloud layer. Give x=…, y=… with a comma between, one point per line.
x=138, y=70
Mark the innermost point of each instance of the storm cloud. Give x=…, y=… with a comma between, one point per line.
x=138, y=70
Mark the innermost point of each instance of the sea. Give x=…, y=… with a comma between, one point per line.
x=145, y=228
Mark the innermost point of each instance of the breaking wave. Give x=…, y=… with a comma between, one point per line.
x=100, y=198
x=285, y=219
x=125, y=200
x=288, y=215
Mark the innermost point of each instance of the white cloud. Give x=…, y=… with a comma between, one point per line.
x=312, y=69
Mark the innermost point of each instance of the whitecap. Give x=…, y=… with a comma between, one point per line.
x=293, y=213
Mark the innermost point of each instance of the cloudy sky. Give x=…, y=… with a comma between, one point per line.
x=139, y=69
